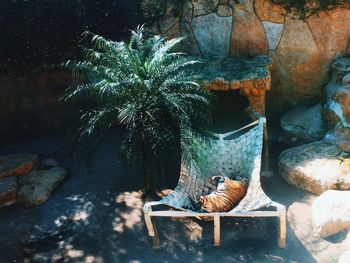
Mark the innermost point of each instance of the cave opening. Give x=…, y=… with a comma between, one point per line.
x=230, y=111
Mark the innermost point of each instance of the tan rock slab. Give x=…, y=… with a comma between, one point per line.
x=17, y=164
x=36, y=187
x=315, y=167
x=331, y=212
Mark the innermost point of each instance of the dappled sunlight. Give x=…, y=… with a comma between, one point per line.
x=71, y=254
x=81, y=216
x=84, y=206
x=129, y=211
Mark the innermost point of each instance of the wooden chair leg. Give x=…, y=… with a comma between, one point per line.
x=156, y=241
x=217, y=240
x=151, y=227
x=282, y=229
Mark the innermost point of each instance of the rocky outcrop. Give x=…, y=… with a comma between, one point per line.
x=331, y=212
x=301, y=50
x=20, y=182
x=316, y=167
x=14, y=165
x=304, y=123
x=36, y=187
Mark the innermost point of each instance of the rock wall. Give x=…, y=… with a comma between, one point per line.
x=301, y=50
x=36, y=37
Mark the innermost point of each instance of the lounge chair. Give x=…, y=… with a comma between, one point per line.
x=221, y=155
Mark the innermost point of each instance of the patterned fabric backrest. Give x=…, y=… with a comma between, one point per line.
x=240, y=156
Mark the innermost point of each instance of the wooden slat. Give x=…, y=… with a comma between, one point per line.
x=193, y=214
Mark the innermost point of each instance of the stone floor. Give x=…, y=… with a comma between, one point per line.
x=96, y=216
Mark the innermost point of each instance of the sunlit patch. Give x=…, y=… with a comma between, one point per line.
x=129, y=212
x=75, y=253
x=81, y=216
x=93, y=259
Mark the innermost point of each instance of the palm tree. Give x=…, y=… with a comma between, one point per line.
x=144, y=85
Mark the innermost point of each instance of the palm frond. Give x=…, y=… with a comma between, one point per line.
x=145, y=81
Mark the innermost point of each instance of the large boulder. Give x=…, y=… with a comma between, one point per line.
x=304, y=123
x=331, y=212
x=315, y=167
x=8, y=191
x=36, y=187
x=17, y=164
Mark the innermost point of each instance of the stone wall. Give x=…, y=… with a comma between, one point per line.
x=301, y=50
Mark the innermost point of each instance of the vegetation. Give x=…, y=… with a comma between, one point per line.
x=307, y=8
x=145, y=86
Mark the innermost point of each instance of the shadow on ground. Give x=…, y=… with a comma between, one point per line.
x=96, y=216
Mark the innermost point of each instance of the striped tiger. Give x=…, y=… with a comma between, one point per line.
x=227, y=195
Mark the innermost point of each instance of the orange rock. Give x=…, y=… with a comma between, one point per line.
x=299, y=67
x=17, y=165
x=331, y=31
x=267, y=11
x=248, y=34
x=310, y=77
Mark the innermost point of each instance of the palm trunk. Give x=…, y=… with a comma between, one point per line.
x=146, y=175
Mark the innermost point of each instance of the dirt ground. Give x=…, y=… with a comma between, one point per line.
x=96, y=216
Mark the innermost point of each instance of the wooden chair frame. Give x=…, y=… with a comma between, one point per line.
x=152, y=230
x=252, y=205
